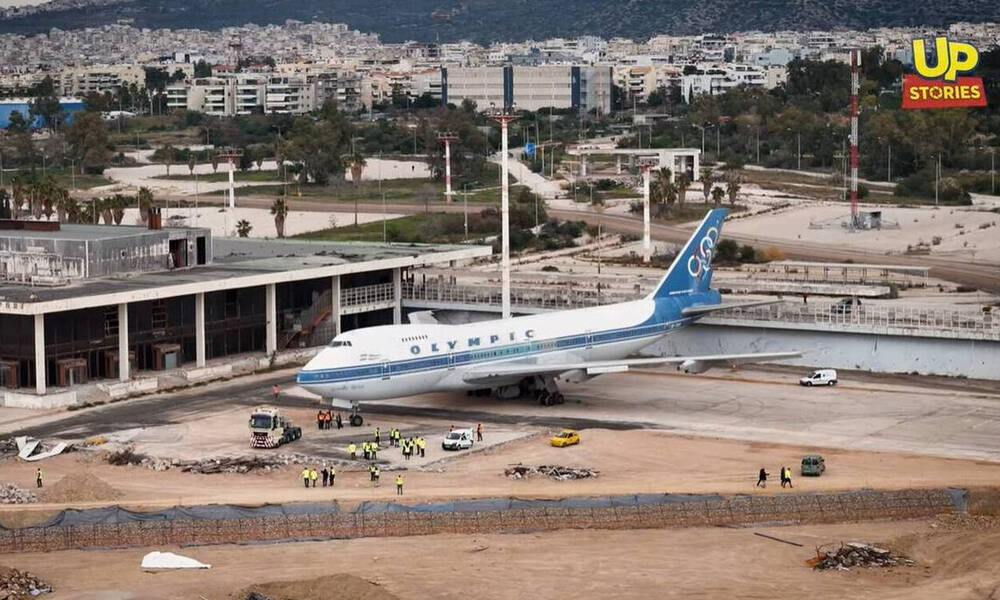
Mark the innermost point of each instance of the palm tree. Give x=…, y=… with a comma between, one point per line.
x=243, y=227
x=733, y=187
x=65, y=207
x=191, y=164
x=683, y=182
x=215, y=163
x=357, y=164
x=706, y=181
x=145, y=201
x=663, y=190
x=168, y=157
x=119, y=203
x=718, y=194
x=106, y=206
x=18, y=191
x=280, y=210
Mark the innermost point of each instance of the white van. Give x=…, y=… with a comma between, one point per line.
x=820, y=377
x=458, y=439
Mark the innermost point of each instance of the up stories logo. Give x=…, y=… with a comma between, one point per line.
x=939, y=85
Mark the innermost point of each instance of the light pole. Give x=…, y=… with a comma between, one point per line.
x=465, y=209
x=888, y=163
x=718, y=137
x=646, y=245
x=447, y=137
x=937, y=179
x=702, y=139
x=993, y=172
x=504, y=118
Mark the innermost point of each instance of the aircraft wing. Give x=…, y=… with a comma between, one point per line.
x=710, y=308
x=690, y=364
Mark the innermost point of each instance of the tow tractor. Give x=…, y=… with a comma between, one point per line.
x=268, y=429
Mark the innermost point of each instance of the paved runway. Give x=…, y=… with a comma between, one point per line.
x=859, y=414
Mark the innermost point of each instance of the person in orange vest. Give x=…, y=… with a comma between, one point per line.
x=319, y=419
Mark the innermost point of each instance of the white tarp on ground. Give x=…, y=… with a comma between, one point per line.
x=27, y=449
x=169, y=560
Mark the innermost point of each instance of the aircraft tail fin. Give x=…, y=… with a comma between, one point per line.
x=691, y=270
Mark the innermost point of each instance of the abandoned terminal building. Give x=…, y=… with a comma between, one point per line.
x=89, y=302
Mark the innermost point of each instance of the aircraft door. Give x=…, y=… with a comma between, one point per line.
x=385, y=369
x=590, y=339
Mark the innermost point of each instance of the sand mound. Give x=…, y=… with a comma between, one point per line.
x=80, y=487
x=340, y=586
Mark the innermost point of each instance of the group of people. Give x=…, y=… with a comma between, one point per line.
x=374, y=473
x=310, y=476
x=786, y=477
x=325, y=419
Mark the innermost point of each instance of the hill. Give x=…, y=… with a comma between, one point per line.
x=481, y=21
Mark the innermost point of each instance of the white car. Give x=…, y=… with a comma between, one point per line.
x=820, y=377
x=458, y=439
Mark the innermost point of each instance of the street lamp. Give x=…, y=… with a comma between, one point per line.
x=702, y=139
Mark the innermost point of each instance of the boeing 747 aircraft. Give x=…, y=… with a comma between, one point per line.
x=529, y=355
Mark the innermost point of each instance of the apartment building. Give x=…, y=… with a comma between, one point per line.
x=244, y=94
x=80, y=81
x=529, y=88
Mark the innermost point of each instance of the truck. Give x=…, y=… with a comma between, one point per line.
x=268, y=429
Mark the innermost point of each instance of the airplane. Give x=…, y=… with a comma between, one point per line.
x=530, y=355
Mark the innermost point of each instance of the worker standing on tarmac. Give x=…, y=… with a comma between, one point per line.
x=377, y=473
x=352, y=450
x=305, y=476
x=313, y=476
x=340, y=422
x=374, y=450
x=371, y=472
x=479, y=432
x=333, y=476
x=399, y=485
x=786, y=476
x=324, y=475
x=378, y=436
x=319, y=419
x=275, y=390
x=38, y=477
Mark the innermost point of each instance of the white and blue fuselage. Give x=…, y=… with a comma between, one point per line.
x=398, y=360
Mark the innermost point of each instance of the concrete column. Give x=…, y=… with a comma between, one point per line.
x=335, y=308
x=583, y=165
x=199, y=329
x=618, y=164
x=40, y=354
x=696, y=172
x=397, y=291
x=124, y=364
x=271, y=318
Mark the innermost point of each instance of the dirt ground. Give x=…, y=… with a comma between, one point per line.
x=629, y=462
x=954, y=560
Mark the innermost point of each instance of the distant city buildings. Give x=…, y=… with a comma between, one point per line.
x=296, y=67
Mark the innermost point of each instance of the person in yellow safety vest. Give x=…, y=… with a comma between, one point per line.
x=38, y=477
x=333, y=476
x=376, y=476
x=399, y=485
x=313, y=476
x=371, y=472
x=422, y=443
x=305, y=476
x=352, y=450
x=374, y=451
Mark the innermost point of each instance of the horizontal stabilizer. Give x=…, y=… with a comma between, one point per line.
x=422, y=317
x=710, y=308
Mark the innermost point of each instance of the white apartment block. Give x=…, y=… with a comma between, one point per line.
x=529, y=88
x=80, y=81
x=244, y=94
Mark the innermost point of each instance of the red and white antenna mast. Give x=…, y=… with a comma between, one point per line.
x=855, y=155
x=447, y=137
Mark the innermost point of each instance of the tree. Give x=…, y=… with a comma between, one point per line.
x=168, y=157
x=245, y=160
x=46, y=105
x=192, y=161
x=357, y=165
x=280, y=210
x=243, y=227
x=662, y=189
x=717, y=195
x=683, y=182
x=215, y=163
x=156, y=78
x=88, y=142
x=259, y=159
x=318, y=145
x=706, y=180
x=145, y=203
x=733, y=185
x=17, y=124
x=202, y=69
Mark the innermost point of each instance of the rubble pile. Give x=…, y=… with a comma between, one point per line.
x=858, y=554
x=236, y=464
x=557, y=472
x=12, y=494
x=224, y=464
x=15, y=585
x=8, y=447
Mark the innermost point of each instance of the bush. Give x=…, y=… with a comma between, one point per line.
x=727, y=251
x=772, y=253
x=951, y=190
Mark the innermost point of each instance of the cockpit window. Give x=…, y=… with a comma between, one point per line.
x=339, y=343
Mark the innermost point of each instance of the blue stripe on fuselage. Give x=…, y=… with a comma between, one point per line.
x=666, y=317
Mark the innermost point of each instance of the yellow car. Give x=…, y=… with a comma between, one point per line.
x=566, y=437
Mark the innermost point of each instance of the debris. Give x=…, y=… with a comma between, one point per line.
x=169, y=560
x=15, y=584
x=224, y=464
x=858, y=554
x=80, y=487
x=12, y=494
x=479, y=548
x=31, y=449
x=339, y=586
x=771, y=537
x=559, y=473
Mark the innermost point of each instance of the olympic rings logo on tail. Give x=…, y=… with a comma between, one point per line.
x=700, y=261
